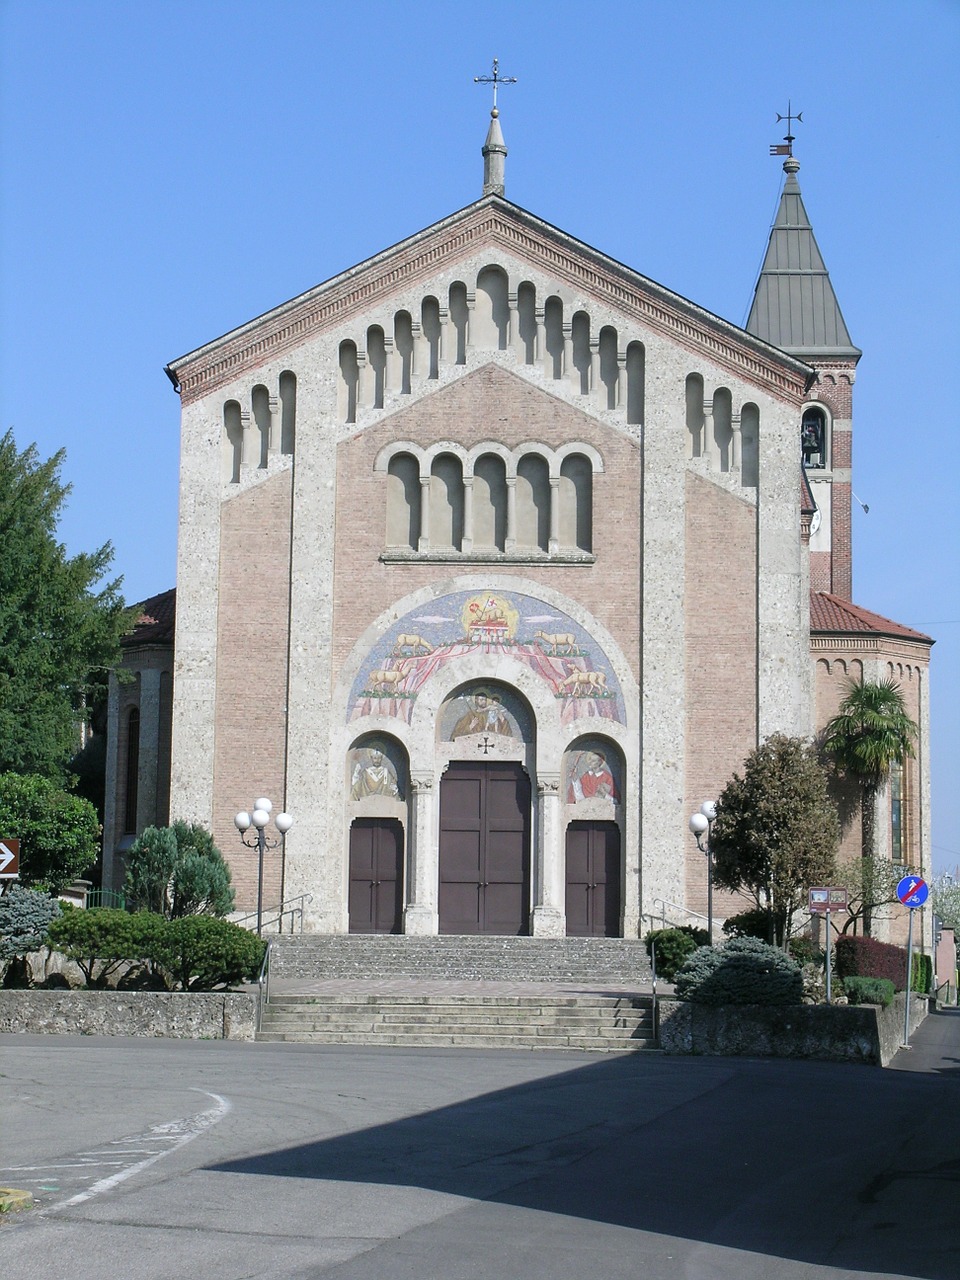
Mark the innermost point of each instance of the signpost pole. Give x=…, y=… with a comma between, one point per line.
x=827, y=914
x=906, y=1003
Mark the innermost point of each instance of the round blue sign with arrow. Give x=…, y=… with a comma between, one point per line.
x=912, y=891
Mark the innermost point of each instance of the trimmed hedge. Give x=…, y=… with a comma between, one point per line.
x=193, y=953
x=673, y=946
x=869, y=991
x=744, y=971
x=921, y=977
x=856, y=957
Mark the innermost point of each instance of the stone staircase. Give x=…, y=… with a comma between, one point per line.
x=600, y=1023
x=469, y=992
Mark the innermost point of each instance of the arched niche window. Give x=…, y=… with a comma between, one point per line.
x=288, y=412
x=403, y=502
x=533, y=503
x=446, y=503
x=261, y=417
x=813, y=438
x=750, y=446
x=491, y=318
x=403, y=338
x=489, y=503
x=576, y=503
x=635, y=373
x=377, y=362
x=232, y=441
x=694, y=410
x=349, y=382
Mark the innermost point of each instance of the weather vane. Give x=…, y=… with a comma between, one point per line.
x=496, y=79
x=785, y=148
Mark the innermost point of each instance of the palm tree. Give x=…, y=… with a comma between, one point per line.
x=870, y=733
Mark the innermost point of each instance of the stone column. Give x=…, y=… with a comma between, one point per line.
x=548, y=880
x=364, y=381
x=510, y=544
x=391, y=374
x=553, y=545
x=567, y=348
x=273, y=441
x=468, y=334
x=708, y=449
x=596, y=386
x=420, y=913
x=443, y=342
x=621, y=379
x=111, y=829
x=736, y=443
x=513, y=323
x=423, y=543
x=245, y=440
x=466, y=543
x=540, y=355
x=416, y=338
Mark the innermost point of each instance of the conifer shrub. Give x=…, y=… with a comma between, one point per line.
x=25, y=917
x=921, y=977
x=856, y=957
x=204, y=953
x=868, y=991
x=743, y=971
x=673, y=946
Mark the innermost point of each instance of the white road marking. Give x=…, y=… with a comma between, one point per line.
x=158, y=1141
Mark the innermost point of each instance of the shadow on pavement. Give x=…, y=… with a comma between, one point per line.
x=843, y=1166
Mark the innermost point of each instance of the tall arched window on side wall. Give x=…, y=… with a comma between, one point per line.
x=132, y=778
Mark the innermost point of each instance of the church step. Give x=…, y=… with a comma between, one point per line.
x=468, y=958
x=591, y=1023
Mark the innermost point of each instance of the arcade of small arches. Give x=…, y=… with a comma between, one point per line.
x=493, y=838
x=494, y=314
x=260, y=430
x=725, y=437
x=489, y=501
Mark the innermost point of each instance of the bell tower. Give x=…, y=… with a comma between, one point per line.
x=795, y=308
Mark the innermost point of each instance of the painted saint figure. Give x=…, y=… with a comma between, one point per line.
x=373, y=774
x=591, y=779
x=485, y=716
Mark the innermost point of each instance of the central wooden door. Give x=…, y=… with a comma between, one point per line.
x=485, y=849
x=376, y=875
x=593, y=880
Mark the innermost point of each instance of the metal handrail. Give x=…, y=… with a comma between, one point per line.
x=292, y=907
x=663, y=904
x=263, y=986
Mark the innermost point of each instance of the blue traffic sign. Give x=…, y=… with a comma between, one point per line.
x=912, y=891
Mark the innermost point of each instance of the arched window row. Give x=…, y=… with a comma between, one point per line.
x=494, y=315
x=261, y=427
x=726, y=438
x=489, y=502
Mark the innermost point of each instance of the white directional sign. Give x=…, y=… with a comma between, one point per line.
x=9, y=859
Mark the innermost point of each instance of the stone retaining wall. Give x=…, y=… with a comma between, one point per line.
x=834, y=1033
x=178, y=1015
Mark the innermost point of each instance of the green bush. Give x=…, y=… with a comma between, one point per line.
x=25, y=917
x=921, y=975
x=804, y=951
x=202, y=953
x=103, y=939
x=755, y=923
x=743, y=971
x=673, y=946
x=868, y=990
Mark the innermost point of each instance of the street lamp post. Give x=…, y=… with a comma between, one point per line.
x=258, y=819
x=701, y=824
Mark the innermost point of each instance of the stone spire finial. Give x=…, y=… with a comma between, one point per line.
x=494, y=149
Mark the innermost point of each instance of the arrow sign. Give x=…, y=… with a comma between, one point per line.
x=913, y=891
x=9, y=859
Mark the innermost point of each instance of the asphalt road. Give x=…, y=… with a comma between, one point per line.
x=152, y=1160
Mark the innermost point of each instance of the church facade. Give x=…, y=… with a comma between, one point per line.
x=495, y=560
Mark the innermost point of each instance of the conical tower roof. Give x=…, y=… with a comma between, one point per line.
x=794, y=306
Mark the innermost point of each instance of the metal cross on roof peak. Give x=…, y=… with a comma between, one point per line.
x=778, y=149
x=496, y=79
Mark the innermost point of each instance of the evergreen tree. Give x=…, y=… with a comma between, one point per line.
x=776, y=832
x=60, y=622
x=178, y=871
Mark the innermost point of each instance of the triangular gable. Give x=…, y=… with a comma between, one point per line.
x=500, y=224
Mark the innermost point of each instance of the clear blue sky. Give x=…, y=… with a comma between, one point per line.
x=171, y=170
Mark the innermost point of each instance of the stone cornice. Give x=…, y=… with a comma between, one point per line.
x=857, y=643
x=494, y=222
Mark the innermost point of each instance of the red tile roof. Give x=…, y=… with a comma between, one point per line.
x=155, y=621
x=829, y=613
